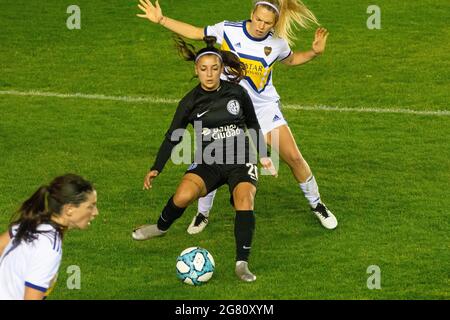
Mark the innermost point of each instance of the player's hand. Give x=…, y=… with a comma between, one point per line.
x=149, y=179
x=267, y=164
x=320, y=41
x=151, y=12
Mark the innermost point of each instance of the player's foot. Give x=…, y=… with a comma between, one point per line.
x=198, y=223
x=147, y=231
x=243, y=273
x=327, y=219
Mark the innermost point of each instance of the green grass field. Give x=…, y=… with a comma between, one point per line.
x=386, y=175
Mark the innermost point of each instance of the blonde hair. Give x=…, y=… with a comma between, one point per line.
x=293, y=13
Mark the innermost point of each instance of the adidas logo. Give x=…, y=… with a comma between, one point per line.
x=238, y=45
x=276, y=118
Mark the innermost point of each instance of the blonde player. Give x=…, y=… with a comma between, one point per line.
x=261, y=42
x=31, y=251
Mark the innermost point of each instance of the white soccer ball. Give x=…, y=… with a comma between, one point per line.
x=195, y=266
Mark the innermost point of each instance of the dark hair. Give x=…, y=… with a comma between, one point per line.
x=48, y=201
x=234, y=69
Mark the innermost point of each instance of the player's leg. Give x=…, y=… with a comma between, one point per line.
x=289, y=152
x=242, y=181
x=282, y=140
x=201, y=219
x=190, y=189
x=244, y=228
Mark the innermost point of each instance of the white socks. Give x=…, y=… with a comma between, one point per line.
x=311, y=191
x=205, y=204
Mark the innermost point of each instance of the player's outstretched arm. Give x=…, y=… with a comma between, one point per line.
x=4, y=240
x=317, y=48
x=155, y=15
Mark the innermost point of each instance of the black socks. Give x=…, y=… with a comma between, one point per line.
x=244, y=226
x=169, y=214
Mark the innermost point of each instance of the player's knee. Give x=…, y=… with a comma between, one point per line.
x=295, y=160
x=243, y=202
x=184, y=198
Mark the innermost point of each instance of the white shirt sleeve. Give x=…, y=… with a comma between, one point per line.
x=285, y=51
x=43, y=266
x=216, y=31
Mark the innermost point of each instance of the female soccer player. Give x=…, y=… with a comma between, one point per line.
x=30, y=253
x=260, y=42
x=220, y=112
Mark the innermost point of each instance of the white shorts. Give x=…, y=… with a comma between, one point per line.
x=270, y=116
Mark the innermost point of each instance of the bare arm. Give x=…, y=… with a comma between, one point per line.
x=298, y=58
x=33, y=294
x=4, y=240
x=155, y=15
x=318, y=47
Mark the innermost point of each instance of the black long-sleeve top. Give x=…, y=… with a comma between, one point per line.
x=220, y=119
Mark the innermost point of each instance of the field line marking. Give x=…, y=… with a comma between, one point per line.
x=147, y=99
x=88, y=96
x=370, y=110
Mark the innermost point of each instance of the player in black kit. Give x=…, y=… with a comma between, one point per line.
x=224, y=120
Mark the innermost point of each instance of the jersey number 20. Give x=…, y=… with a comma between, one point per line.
x=252, y=171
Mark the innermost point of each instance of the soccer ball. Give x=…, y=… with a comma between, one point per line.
x=195, y=266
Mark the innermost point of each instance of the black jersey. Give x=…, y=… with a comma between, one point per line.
x=222, y=120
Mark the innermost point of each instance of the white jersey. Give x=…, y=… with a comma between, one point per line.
x=33, y=264
x=258, y=55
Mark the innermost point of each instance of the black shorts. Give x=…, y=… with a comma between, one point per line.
x=216, y=175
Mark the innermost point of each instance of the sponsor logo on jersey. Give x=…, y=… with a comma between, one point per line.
x=233, y=107
x=224, y=132
x=257, y=73
x=206, y=131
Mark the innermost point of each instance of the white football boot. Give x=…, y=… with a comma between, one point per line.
x=198, y=223
x=327, y=219
x=243, y=273
x=147, y=231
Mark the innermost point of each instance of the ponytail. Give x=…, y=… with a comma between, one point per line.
x=185, y=50
x=33, y=212
x=46, y=202
x=234, y=69
x=210, y=41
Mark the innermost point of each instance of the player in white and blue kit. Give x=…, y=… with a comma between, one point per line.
x=261, y=42
x=31, y=250
x=30, y=269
